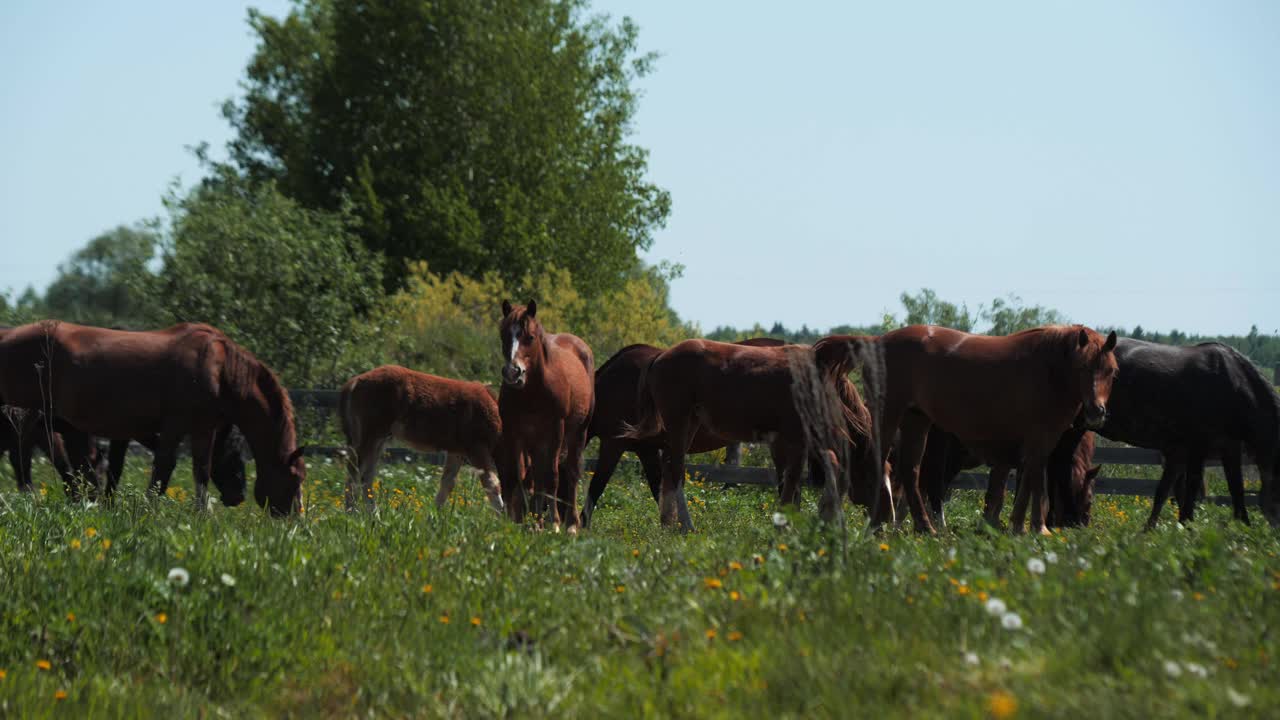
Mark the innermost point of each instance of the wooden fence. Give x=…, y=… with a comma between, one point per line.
x=727, y=474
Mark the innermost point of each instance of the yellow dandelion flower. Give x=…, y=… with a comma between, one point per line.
x=100, y=556
x=475, y=621
x=711, y=633
x=1002, y=705
x=982, y=596
x=162, y=618
x=963, y=589
x=782, y=547
x=620, y=589
x=106, y=543
x=757, y=559
x=4, y=674
x=426, y=589
x=44, y=664
x=90, y=532
x=734, y=636
x=734, y=595
x=884, y=547
x=71, y=617
x=60, y=695
x=635, y=553
x=924, y=577
x=75, y=543
x=712, y=583
x=1197, y=596
x=723, y=571
x=444, y=619
x=735, y=565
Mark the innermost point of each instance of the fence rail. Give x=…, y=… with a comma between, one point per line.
x=737, y=475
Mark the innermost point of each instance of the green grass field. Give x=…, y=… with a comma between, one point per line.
x=457, y=613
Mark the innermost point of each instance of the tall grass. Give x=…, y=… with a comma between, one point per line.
x=457, y=613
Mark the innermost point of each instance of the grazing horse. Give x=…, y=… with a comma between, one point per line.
x=425, y=412
x=746, y=394
x=1191, y=403
x=189, y=379
x=617, y=381
x=1069, y=470
x=1008, y=399
x=546, y=402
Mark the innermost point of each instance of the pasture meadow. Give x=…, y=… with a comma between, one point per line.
x=148, y=608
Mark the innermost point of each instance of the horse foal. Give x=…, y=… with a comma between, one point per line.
x=427, y=413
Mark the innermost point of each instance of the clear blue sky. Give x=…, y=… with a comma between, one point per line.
x=1119, y=161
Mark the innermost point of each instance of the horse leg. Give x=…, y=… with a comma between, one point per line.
x=361, y=471
x=997, y=483
x=1172, y=468
x=483, y=459
x=651, y=465
x=166, y=458
x=913, y=435
x=1235, y=482
x=570, y=472
x=789, y=485
x=672, y=494
x=1193, y=480
x=448, y=477
x=115, y=465
x=606, y=462
x=835, y=487
x=202, y=464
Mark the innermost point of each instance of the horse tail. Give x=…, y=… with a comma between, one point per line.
x=648, y=420
x=350, y=423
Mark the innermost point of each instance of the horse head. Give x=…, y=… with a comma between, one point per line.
x=1094, y=369
x=522, y=345
x=279, y=486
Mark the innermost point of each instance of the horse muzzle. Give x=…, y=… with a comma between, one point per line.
x=1095, y=416
x=513, y=375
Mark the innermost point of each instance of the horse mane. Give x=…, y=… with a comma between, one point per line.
x=245, y=372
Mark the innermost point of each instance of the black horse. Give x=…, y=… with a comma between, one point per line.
x=1192, y=403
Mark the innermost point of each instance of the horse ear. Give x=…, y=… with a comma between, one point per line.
x=1110, y=344
x=1083, y=339
x=531, y=309
x=1092, y=473
x=506, y=308
x=297, y=453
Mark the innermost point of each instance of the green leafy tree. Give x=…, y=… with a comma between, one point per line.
x=289, y=283
x=476, y=135
x=1008, y=315
x=102, y=283
x=926, y=308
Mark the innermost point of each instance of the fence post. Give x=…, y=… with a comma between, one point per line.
x=733, y=454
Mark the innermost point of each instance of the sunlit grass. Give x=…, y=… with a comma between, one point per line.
x=454, y=612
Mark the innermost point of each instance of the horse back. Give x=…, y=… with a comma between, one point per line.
x=424, y=410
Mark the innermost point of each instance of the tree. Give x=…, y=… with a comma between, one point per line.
x=476, y=135
x=102, y=283
x=925, y=308
x=288, y=283
x=1008, y=315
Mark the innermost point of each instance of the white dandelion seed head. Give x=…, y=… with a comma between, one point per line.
x=951, y=553
x=779, y=520
x=1172, y=669
x=228, y=580
x=1011, y=621
x=1176, y=593
x=1196, y=669
x=971, y=658
x=1084, y=563
x=179, y=577
x=1051, y=557
x=1035, y=566
x=1238, y=699
x=996, y=607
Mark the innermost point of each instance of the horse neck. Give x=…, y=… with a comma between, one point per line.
x=1061, y=372
x=265, y=418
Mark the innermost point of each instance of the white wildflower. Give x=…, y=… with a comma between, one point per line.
x=1035, y=566
x=1172, y=668
x=971, y=658
x=1240, y=700
x=1051, y=557
x=1177, y=594
x=1006, y=663
x=996, y=607
x=779, y=520
x=228, y=580
x=1084, y=563
x=179, y=577
x=1011, y=621
x=1196, y=669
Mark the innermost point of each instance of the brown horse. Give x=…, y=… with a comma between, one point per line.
x=617, y=381
x=23, y=431
x=747, y=394
x=189, y=379
x=1008, y=399
x=546, y=403
x=425, y=412
x=1070, y=472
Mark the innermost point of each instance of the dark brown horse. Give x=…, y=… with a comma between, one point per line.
x=425, y=412
x=617, y=381
x=187, y=380
x=1193, y=403
x=546, y=403
x=1008, y=399
x=746, y=394
x=1070, y=472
